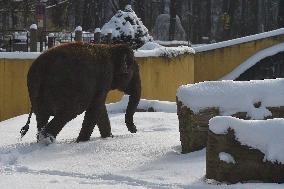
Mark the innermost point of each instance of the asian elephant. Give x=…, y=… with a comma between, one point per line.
x=72, y=78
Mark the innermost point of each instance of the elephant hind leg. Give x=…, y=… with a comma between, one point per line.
x=56, y=124
x=42, y=120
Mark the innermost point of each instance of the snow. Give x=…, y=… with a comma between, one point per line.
x=19, y=55
x=264, y=135
x=97, y=30
x=226, y=157
x=234, y=96
x=164, y=52
x=157, y=106
x=150, y=158
x=33, y=26
x=150, y=46
x=51, y=35
x=173, y=43
x=126, y=26
x=78, y=28
x=239, y=40
x=253, y=60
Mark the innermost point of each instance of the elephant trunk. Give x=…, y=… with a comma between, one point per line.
x=134, y=92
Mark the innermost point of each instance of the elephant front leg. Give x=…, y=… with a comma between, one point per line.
x=95, y=114
x=104, y=124
x=134, y=91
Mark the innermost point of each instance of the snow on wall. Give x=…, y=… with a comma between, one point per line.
x=158, y=50
x=234, y=96
x=239, y=40
x=264, y=135
x=19, y=55
x=253, y=60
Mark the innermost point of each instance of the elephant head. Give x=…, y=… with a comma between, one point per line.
x=126, y=78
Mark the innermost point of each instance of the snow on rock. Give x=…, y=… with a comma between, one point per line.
x=127, y=27
x=234, y=96
x=264, y=135
x=226, y=157
x=157, y=106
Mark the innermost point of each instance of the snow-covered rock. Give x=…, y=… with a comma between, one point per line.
x=234, y=96
x=264, y=135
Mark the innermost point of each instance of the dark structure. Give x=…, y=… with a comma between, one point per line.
x=69, y=79
x=268, y=68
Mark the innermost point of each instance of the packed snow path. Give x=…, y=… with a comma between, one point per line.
x=148, y=159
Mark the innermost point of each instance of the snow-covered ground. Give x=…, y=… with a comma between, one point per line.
x=150, y=158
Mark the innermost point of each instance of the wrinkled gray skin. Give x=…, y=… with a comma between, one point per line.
x=69, y=79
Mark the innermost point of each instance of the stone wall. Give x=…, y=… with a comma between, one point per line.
x=193, y=127
x=248, y=165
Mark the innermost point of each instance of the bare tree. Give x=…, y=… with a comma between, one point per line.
x=173, y=14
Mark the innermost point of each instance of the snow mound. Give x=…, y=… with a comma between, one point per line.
x=234, y=96
x=127, y=27
x=150, y=46
x=264, y=135
x=154, y=105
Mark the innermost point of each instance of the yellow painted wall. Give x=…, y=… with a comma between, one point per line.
x=13, y=95
x=214, y=64
x=160, y=76
x=160, y=79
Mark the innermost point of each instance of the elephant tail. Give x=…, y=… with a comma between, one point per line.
x=25, y=128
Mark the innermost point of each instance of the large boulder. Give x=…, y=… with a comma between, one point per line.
x=245, y=150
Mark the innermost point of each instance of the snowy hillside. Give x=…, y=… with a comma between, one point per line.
x=150, y=158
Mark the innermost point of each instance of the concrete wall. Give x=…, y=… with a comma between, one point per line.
x=160, y=76
x=13, y=92
x=160, y=79
x=216, y=63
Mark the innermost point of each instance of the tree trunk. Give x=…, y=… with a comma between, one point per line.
x=173, y=13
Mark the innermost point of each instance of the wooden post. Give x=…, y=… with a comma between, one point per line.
x=109, y=37
x=97, y=35
x=78, y=33
x=33, y=38
x=51, y=40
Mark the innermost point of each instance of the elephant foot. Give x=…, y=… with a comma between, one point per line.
x=45, y=138
x=107, y=135
x=131, y=128
x=82, y=139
